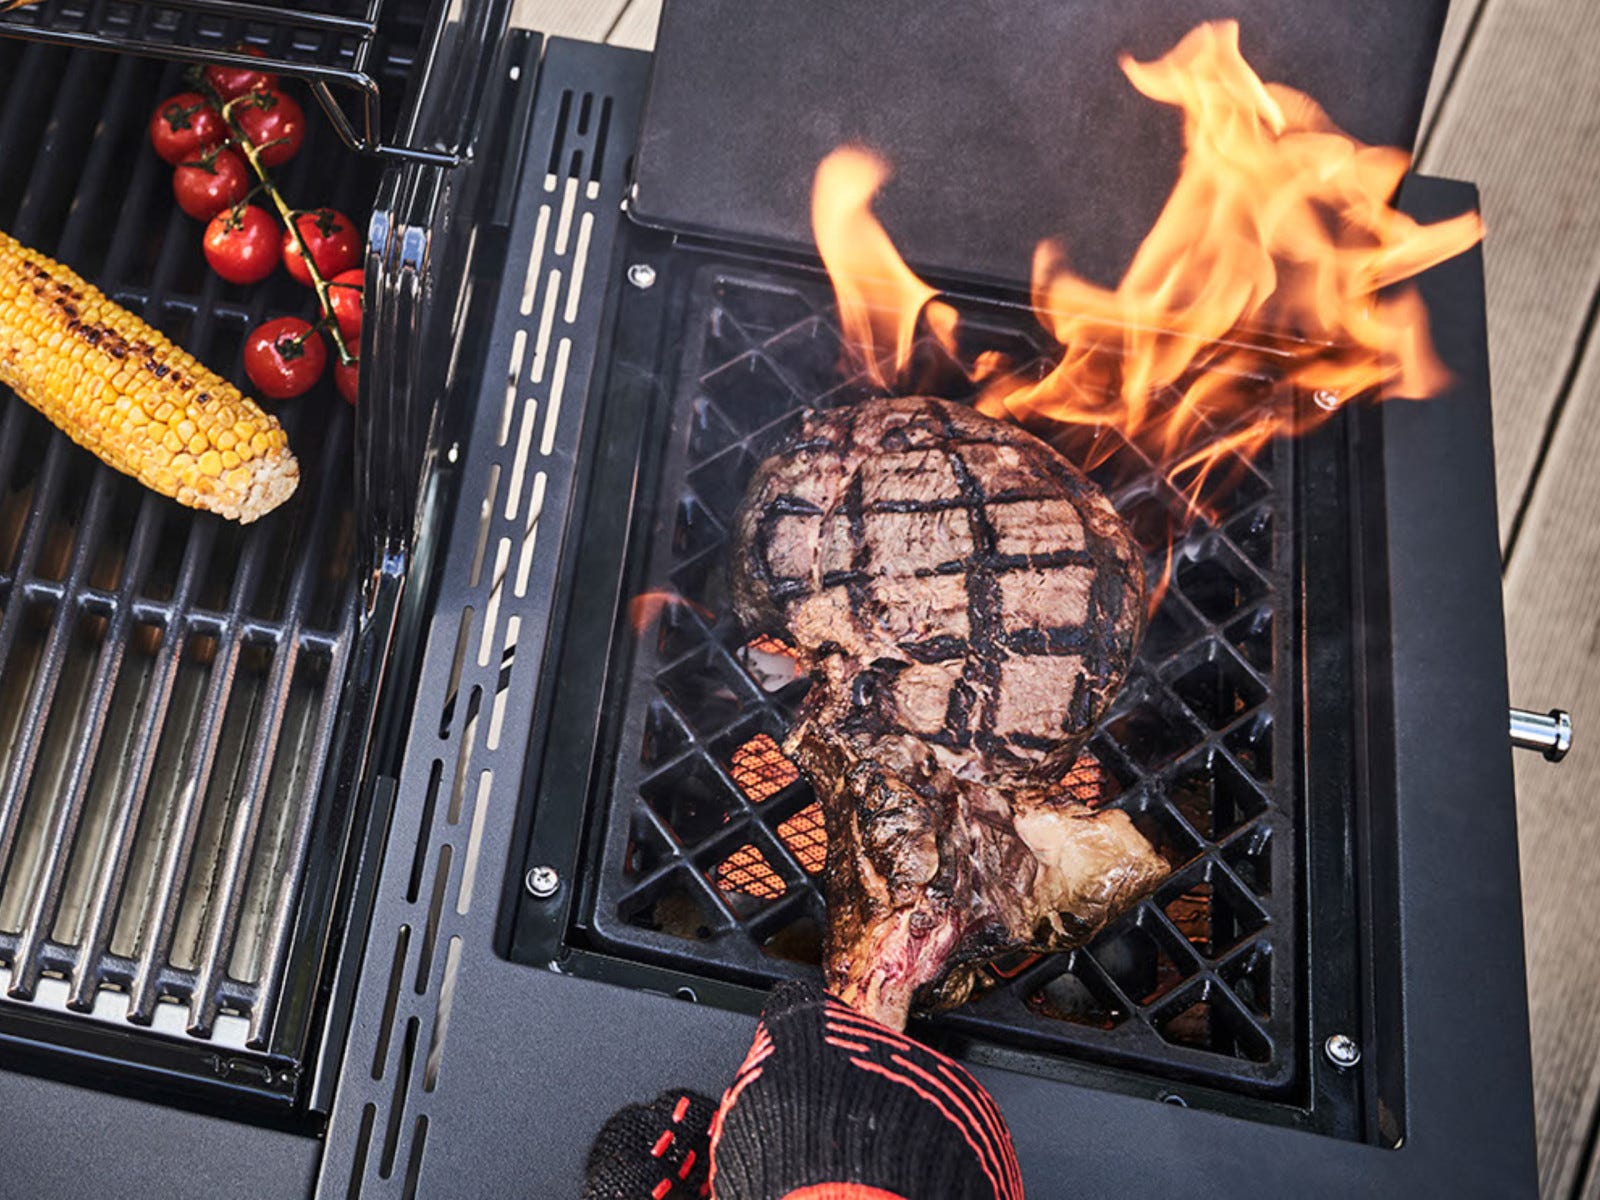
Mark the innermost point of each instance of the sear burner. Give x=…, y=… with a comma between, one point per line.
x=709, y=842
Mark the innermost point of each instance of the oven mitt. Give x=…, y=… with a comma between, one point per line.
x=828, y=1105
x=659, y=1150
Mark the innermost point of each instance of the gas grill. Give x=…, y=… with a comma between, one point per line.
x=385, y=847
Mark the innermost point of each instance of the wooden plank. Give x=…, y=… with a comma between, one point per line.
x=1520, y=122
x=637, y=25
x=589, y=20
x=1552, y=592
x=1451, y=43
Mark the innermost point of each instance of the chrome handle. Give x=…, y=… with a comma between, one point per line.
x=1549, y=733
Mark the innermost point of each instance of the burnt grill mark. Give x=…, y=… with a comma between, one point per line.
x=954, y=567
x=790, y=505
x=1079, y=711
x=982, y=668
x=856, y=588
x=1042, y=562
x=1059, y=640
x=932, y=650
x=833, y=579
x=1029, y=741
x=916, y=506
x=958, y=713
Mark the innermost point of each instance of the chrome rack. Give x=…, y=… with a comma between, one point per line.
x=329, y=50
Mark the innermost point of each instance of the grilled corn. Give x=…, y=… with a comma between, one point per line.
x=120, y=389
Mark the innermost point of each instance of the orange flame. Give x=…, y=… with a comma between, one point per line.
x=1274, y=261
x=880, y=298
x=645, y=609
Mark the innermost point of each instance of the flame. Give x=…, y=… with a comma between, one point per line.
x=645, y=609
x=1276, y=260
x=880, y=298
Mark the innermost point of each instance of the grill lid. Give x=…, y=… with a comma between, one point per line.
x=1007, y=121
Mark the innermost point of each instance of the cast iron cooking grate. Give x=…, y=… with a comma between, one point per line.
x=169, y=681
x=711, y=858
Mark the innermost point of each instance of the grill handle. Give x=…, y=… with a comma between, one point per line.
x=1549, y=733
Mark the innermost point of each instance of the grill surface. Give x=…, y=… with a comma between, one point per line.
x=169, y=682
x=709, y=860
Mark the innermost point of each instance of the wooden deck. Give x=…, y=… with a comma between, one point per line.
x=1516, y=109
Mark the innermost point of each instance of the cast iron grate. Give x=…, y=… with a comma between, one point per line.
x=169, y=682
x=710, y=858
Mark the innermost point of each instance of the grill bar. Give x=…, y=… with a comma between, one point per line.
x=274, y=955
x=25, y=751
x=92, y=965
x=222, y=919
x=45, y=895
x=45, y=901
x=196, y=776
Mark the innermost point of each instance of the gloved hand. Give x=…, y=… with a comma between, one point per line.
x=828, y=1105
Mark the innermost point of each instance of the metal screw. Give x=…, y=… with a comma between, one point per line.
x=1326, y=400
x=1342, y=1050
x=542, y=882
x=642, y=275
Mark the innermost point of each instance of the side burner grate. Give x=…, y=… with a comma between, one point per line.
x=707, y=860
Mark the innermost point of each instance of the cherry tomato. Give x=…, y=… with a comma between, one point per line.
x=216, y=181
x=185, y=126
x=273, y=122
x=229, y=82
x=284, y=358
x=329, y=236
x=347, y=379
x=241, y=244
x=344, y=293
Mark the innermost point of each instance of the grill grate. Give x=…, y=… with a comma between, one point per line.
x=709, y=860
x=169, y=682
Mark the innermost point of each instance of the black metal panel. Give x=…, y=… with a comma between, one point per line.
x=1006, y=121
x=63, y=1141
x=504, y=492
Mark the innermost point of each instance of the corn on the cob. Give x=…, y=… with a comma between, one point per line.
x=120, y=389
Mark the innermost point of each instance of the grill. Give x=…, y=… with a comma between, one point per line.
x=712, y=841
x=370, y=829
x=173, y=685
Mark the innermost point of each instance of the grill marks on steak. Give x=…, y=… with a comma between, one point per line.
x=966, y=603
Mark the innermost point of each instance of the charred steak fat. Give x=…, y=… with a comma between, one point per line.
x=966, y=604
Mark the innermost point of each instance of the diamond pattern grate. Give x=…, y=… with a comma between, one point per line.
x=715, y=844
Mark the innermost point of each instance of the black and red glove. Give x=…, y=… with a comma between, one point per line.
x=828, y=1105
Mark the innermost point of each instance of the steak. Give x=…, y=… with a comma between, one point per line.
x=966, y=604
